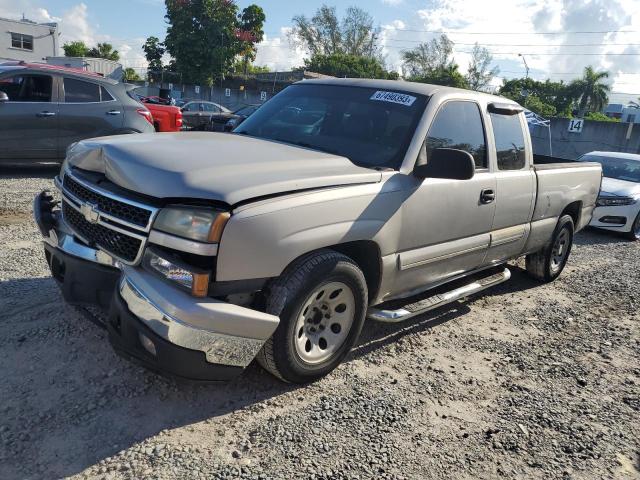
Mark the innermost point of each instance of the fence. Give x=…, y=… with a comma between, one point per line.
x=602, y=136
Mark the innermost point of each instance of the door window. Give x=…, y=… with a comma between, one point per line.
x=458, y=125
x=507, y=131
x=78, y=91
x=27, y=88
x=208, y=107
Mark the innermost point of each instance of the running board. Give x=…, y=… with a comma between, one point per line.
x=438, y=300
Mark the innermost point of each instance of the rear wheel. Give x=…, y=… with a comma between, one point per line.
x=634, y=234
x=321, y=301
x=547, y=263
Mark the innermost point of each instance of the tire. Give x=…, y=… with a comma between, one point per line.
x=634, y=233
x=317, y=326
x=547, y=264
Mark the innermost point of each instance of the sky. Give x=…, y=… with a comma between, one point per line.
x=551, y=35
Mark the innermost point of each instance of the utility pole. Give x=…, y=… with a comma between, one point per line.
x=526, y=67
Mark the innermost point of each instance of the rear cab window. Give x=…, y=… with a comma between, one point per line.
x=509, y=139
x=458, y=124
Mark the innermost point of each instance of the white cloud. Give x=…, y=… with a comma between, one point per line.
x=278, y=53
x=393, y=3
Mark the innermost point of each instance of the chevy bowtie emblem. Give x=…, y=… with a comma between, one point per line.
x=90, y=212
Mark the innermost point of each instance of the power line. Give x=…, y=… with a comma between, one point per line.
x=457, y=32
x=526, y=44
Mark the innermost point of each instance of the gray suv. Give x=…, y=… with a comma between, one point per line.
x=44, y=109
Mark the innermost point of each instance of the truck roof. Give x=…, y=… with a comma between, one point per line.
x=413, y=87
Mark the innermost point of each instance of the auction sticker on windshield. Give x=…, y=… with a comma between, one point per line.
x=393, y=97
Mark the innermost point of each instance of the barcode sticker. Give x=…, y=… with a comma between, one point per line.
x=393, y=97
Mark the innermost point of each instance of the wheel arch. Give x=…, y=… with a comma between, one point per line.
x=574, y=210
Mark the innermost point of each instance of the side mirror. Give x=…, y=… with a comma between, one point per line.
x=4, y=97
x=448, y=163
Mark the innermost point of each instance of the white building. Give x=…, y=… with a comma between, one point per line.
x=28, y=41
x=106, y=68
x=631, y=115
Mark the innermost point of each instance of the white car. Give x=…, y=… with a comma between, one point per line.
x=618, y=205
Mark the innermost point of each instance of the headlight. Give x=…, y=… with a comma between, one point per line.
x=194, y=223
x=615, y=201
x=195, y=281
x=232, y=122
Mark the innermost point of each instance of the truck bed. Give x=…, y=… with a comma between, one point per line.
x=574, y=184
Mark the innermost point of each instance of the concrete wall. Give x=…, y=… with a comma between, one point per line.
x=45, y=43
x=603, y=136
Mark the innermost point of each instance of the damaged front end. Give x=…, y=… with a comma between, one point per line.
x=97, y=241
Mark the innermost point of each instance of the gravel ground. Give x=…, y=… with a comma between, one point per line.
x=528, y=381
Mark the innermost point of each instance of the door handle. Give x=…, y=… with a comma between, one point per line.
x=46, y=114
x=487, y=196
x=113, y=112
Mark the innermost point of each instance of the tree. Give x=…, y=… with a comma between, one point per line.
x=590, y=92
x=426, y=58
x=104, y=50
x=250, y=33
x=202, y=37
x=635, y=104
x=153, y=52
x=240, y=68
x=544, y=98
x=325, y=34
x=130, y=75
x=480, y=74
x=448, y=76
x=75, y=49
x=600, y=117
x=352, y=66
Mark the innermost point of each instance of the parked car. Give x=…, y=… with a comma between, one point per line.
x=197, y=113
x=166, y=118
x=618, y=205
x=336, y=200
x=239, y=116
x=44, y=109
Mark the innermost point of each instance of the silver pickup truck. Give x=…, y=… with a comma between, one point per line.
x=336, y=201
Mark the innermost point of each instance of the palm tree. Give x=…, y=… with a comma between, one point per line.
x=633, y=104
x=590, y=92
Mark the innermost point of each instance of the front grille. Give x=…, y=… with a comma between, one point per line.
x=118, y=244
x=123, y=211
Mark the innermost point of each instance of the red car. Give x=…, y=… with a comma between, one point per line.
x=166, y=118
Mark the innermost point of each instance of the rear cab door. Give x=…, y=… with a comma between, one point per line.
x=515, y=185
x=29, y=119
x=87, y=109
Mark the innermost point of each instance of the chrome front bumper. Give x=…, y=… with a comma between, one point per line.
x=227, y=334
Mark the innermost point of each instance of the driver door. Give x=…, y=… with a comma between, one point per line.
x=447, y=223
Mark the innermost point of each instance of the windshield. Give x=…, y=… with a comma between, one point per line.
x=370, y=127
x=618, y=168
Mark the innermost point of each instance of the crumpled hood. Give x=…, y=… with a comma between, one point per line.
x=623, y=188
x=213, y=166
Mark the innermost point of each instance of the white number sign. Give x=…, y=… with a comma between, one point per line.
x=227, y=92
x=171, y=86
x=263, y=96
x=197, y=88
x=575, y=125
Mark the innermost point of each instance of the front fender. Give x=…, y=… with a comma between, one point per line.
x=260, y=240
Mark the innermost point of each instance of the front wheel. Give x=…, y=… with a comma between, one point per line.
x=547, y=264
x=321, y=301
